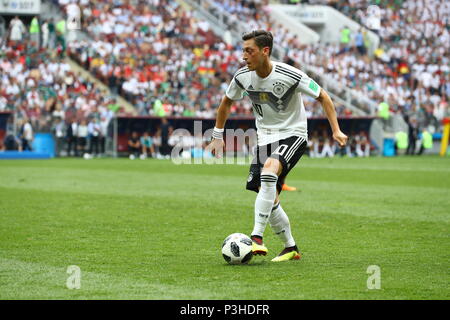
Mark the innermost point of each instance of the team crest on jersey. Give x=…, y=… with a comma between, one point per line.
x=263, y=96
x=278, y=88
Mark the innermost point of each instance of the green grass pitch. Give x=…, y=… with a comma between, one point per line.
x=153, y=230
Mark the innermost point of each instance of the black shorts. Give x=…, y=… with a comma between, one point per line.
x=288, y=151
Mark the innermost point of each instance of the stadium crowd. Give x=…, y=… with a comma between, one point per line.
x=166, y=62
x=173, y=63
x=158, y=56
x=410, y=71
x=47, y=95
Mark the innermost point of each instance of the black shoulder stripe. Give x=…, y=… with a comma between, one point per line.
x=239, y=83
x=241, y=72
x=289, y=75
x=293, y=75
x=289, y=71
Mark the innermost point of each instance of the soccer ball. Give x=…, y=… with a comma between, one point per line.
x=237, y=249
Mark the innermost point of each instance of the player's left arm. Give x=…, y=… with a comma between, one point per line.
x=308, y=86
x=330, y=111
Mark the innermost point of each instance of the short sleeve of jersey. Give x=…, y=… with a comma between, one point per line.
x=234, y=91
x=309, y=86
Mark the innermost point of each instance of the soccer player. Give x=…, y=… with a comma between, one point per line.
x=275, y=90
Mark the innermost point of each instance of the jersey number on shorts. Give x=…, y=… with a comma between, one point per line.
x=258, y=108
x=281, y=149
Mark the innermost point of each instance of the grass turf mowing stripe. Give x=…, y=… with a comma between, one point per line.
x=69, y=212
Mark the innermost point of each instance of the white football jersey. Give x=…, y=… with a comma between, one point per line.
x=276, y=99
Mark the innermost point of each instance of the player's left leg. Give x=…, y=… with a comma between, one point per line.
x=278, y=218
x=279, y=222
x=265, y=200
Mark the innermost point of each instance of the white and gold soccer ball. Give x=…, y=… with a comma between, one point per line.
x=237, y=249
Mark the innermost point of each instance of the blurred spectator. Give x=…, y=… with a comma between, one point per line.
x=26, y=135
x=166, y=131
x=45, y=34
x=426, y=142
x=59, y=135
x=359, y=42
x=11, y=143
x=313, y=145
x=350, y=148
x=17, y=29
x=71, y=138
x=362, y=147
x=60, y=29
x=345, y=38
x=104, y=122
x=51, y=34
x=413, y=132
x=147, y=145
x=3, y=103
x=401, y=142
x=157, y=143
x=134, y=145
x=35, y=32
x=82, y=136
x=94, y=130
x=328, y=146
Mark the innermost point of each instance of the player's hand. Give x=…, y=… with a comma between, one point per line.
x=216, y=147
x=340, y=138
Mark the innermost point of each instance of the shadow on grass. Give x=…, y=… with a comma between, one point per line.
x=250, y=264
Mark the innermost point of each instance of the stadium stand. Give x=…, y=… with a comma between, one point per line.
x=181, y=64
x=41, y=86
x=163, y=60
x=409, y=71
x=168, y=62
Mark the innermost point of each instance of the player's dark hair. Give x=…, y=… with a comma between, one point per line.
x=262, y=38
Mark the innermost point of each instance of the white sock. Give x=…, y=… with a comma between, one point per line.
x=264, y=202
x=279, y=222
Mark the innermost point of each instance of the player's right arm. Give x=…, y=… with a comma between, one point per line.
x=223, y=112
x=235, y=91
x=217, y=145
